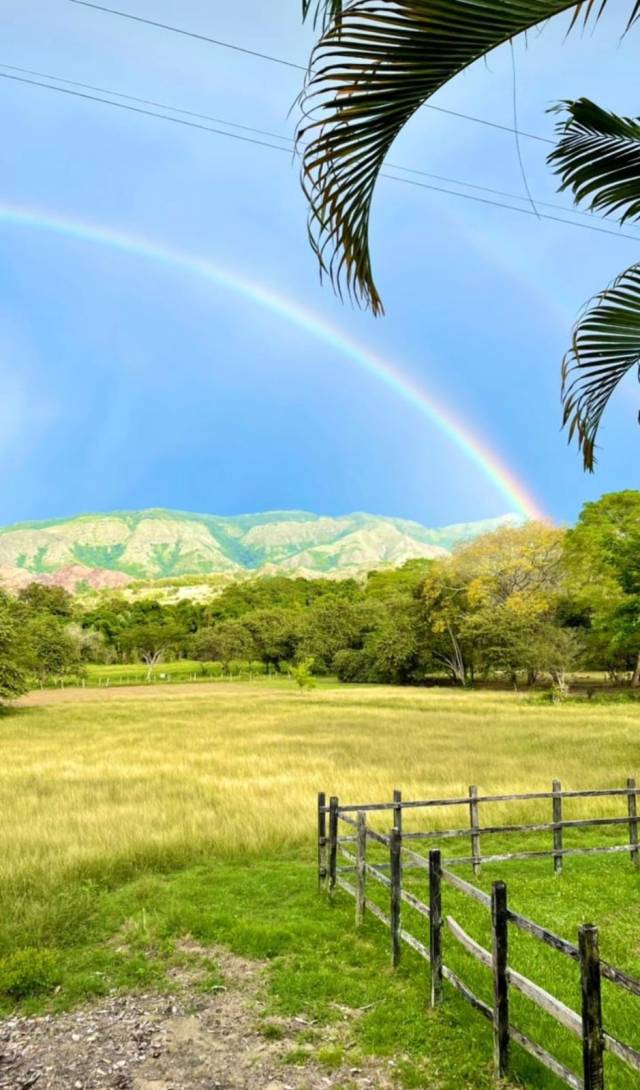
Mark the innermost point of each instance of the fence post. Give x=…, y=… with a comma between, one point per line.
x=500, y=928
x=592, y=1033
x=396, y=899
x=633, y=822
x=397, y=810
x=435, y=925
x=322, y=838
x=474, y=819
x=558, y=830
x=333, y=841
x=361, y=873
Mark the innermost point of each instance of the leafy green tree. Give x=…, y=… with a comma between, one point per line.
x=224, y=642
x=152, y=640
x=50, y=650
x=274, y=633
x=603, y=555
x=486, y=607
x=13, y=676
x=302, y=674
x=374, y=66
x=38, y=598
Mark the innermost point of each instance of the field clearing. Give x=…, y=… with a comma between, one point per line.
x=151, y=814
x=236, y=768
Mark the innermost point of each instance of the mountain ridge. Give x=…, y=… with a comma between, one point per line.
x=112, y=549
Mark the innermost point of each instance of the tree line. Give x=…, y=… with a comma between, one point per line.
x=521, y=604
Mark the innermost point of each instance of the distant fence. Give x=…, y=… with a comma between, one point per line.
x=588, y=1025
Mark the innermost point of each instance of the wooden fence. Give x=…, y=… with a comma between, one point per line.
x=588, y=1025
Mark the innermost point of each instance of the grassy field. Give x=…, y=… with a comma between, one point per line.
x=144, y=815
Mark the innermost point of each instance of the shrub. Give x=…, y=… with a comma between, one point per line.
x=29, y=972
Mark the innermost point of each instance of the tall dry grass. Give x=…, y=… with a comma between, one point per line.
x=102, y=784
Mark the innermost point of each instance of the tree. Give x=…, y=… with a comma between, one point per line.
x=302, y=674
x=274, y=634
x=13, y=677
x=152, y=640
x=603, y=554
x=598, y=159
x=43, y=599
x=224, y=642
x=373, y=67
x=488, y=605
x=50, y=650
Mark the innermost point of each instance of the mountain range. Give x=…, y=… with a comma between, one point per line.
x=115, y=549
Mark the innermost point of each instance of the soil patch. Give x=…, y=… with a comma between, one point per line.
x=185, y=1041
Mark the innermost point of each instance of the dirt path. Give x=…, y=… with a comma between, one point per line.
x=177, y=690
x=188, y=1041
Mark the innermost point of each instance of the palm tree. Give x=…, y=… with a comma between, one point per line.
x=377, y=62
x=598, y=159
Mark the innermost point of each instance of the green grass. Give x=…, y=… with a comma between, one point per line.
x=133, y=821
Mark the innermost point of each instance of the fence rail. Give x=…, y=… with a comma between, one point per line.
x=586, y=1025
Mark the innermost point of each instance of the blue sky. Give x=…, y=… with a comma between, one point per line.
x=126, y=383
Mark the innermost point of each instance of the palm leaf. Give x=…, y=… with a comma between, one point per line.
x=598, y=158
x=377, y=62
x=323, y=10
x=606, y=345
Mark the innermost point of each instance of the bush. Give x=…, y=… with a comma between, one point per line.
x=352, y=666
x=29, y=972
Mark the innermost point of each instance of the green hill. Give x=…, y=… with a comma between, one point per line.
x=114, y=549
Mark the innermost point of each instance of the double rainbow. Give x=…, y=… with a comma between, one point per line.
x=506, y=482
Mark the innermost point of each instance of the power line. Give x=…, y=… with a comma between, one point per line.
x=279, y=136
x=189, y=34
x=146, y=102
x=288, y=151
x=289, y=64
x=146, y=113
x=512, y=208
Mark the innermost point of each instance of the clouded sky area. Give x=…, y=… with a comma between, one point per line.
x=129, y=380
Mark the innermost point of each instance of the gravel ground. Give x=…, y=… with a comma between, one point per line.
x=186, y=1041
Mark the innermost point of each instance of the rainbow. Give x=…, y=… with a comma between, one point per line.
x=311, y=323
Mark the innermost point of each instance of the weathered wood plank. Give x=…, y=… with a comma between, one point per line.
x=346, y=886
x=470, y=945
x=322, y=838
x=616, y=976
x=435, y=926
x=538, y=827
x=547, y=1002
x=592, y=1031
x=361, y=869
x=474, y=821
x=415, y=903
x=624, y=1052
x=632, y=805
x=466, y=887
x=378, y=913
x=397, y=810
x=379, y=838
x=374, y=870
x=557, y=827
x=395, y=898
x=464, y=860
x=466, y=993
x=545, y=936
x=596, y=793
x=548, y=1061
x=414, y=943
x=333, y=841
x=500, y=931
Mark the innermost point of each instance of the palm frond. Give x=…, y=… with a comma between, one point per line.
x=606, y=346
x=598, y=158
x=377, y=62
x=323, y=10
